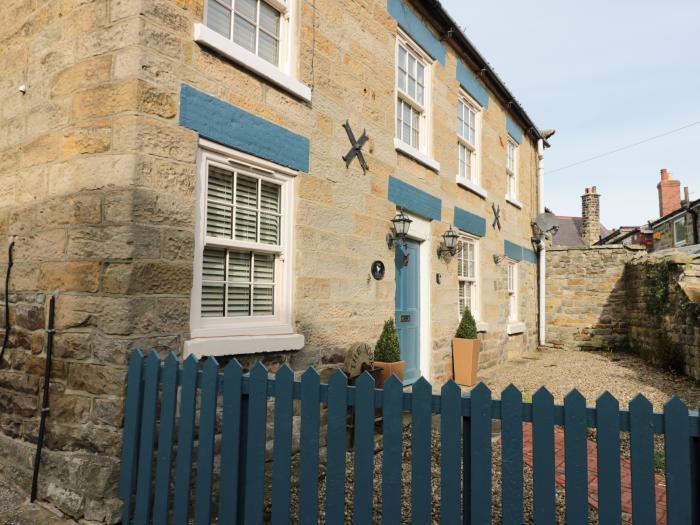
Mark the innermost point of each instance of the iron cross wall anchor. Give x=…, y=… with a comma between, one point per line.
x=496, y=216
x=356, y=149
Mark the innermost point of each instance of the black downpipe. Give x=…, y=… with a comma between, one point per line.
x=45, y=402
x=6, y=338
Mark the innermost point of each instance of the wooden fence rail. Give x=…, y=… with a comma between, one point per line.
x=173, y=412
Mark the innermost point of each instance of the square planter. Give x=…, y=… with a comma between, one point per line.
x=465, y=360
x=387, y=369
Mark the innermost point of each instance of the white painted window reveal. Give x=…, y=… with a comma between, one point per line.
x=242, y=282
x=468, y=276
x=511, y=170
x=512, y=291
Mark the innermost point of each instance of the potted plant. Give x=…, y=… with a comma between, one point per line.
x=387, y=354
x=465, y=350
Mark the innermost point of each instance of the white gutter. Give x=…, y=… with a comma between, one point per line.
x=541, y=260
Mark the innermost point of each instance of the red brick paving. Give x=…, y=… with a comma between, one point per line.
x=625, y=475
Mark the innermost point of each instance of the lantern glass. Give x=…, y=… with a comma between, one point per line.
x=401, y=224
x=450, y=239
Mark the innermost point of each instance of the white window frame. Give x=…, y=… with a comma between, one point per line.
x=512, y=174
x=684, y=240
x=512, y=288
x=283, y=75
x=473, y=182
x=211, y=154
x=422, y=152
x=475, y=306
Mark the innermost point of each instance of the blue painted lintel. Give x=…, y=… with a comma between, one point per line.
x=518, y=253
x=467, y=79
x=417, y=29
x=470, y=222
x=414, y=200
x=232, y=126
x=514, y=130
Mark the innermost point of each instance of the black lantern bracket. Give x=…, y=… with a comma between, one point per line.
x=449, y=247
x=401, y=224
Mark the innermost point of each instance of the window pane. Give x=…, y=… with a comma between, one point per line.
x=246, y=225
x=219, y=220
x=244, y=34
x=238, y=301
x=246, y=191
x=220, y=185
x=213, y=264
x=247, y=8
x=263, y=300
x=421, y=83
x=269, y=197
x=402, y=80
x=212, y=300
x=460, y=262
x=239, y=267
x=415, y=126
x=269, y=20
x=398, y=118
x=462, y=286
x=268, y=48
x=219, y=18
x=264, y=268
x=269, y=228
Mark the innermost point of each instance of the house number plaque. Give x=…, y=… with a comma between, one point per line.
x=405, y=318
x=378, y=270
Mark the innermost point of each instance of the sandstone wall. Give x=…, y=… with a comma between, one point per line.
x=621, y=298
x=83, y=196
x=98, y=193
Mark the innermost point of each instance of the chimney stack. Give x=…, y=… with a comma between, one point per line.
x=590, y=212
x=669, y=193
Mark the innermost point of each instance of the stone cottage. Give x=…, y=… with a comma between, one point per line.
x=175, y=168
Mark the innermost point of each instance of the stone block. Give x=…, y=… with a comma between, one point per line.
x=128, y=95
x=71, y=408
x=70, y=276
x=114, y=242
x=97, y=379
x=91, y=137
x=159, y=277
x=82, y=75
x=73, y=346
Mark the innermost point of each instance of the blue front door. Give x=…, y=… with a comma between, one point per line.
x=408, y=307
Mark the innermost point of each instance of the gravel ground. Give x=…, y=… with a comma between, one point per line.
x=406, y=487
x=592, y=373
x=9, y=498
x=623, y=375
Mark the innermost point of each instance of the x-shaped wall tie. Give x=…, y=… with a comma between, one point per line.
x=356, y=149
x=496, y=215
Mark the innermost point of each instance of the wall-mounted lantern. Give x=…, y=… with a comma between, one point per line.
x=401, y=224
x=449, y=246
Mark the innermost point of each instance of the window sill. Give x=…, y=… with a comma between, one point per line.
x=242, y=345
x=515, y=202
x=516, y=327
x=481, y=326
x=213, y=40
x=416, y=155
x=473, y=187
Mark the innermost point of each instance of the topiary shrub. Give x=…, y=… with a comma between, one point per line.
x=387, y=349
x=467, y=326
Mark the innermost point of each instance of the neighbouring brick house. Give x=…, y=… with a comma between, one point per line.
x=677, y=224
x=183, y=186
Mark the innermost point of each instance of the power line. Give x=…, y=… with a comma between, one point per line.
x=626, y=147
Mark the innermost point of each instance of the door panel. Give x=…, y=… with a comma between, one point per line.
x=408, y=308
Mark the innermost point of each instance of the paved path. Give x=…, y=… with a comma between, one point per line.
x=625, y=475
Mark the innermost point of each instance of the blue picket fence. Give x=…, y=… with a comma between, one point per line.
x=177, y=418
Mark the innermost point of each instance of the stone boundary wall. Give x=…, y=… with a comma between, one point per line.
x=622, y=298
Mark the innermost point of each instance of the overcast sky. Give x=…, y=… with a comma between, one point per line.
x=604, y=74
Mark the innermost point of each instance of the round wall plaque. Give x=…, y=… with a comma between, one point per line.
x=378, y=270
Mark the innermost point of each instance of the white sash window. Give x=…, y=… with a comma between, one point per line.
x=242, y=269
x=468, y=124
x=468, y=276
